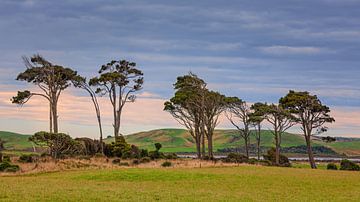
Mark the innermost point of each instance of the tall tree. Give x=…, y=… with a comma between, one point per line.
x=238, y=113
x=186, y=106
x=256, y=118
x=311, y=114
x=120, y=80
x=214, y=105
x=281, y=120
x=80, y=82
x=51, y=79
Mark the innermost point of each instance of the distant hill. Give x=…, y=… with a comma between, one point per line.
x=179, y=140
x=15, y=141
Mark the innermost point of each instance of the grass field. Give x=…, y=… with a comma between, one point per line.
x=243, y=183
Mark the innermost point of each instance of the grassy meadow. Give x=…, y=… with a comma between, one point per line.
x=244, y=182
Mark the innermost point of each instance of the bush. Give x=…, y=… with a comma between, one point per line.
x=121, y=149
x=166, y=164
x=331, y=166
x=145, y=160
x=144, y=153
x=116, y=161
x=158, y=146
x=271, y=156
x=235, y=158
x=348, y=165
x=252, y=161
x=171, y=156
x=136, y=162
x=6, y=166
x=6, y=159
x=26, y=158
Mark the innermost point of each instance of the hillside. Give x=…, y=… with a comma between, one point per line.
x=178, y=140
x=15, y=141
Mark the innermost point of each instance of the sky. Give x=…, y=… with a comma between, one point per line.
x=255, y=50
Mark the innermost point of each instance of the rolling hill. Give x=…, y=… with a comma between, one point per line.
x=178, y=140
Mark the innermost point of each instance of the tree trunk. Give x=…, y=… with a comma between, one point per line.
x=50, y=118
x=310, y=152
x=203, y=152
x=55, y=116
x=210, y=147
x=277, y=149
x=258, y=141
x=246, y=146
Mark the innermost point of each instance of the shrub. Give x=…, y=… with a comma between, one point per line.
x=121, y=149
x=136, y=162
x=348, y=165
x=271, y=156
x=6, y=159
x=116, y=161
x=235, y=158
x=171, y=156
x=158, y=146
x=26, y=158
x=145, y=160
x=166, y=164
x=6, y=166
x=144, y=153
x=331, y=166
x=252, y=161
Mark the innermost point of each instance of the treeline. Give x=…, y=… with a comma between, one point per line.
x=193, y=105
x=198, y=109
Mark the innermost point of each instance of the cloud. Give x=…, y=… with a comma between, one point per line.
x=292, y=50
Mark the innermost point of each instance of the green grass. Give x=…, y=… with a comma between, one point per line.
x=15, y=141
x=244, y=183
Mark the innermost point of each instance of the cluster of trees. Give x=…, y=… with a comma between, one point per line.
x=198, y=109
x=119, y=80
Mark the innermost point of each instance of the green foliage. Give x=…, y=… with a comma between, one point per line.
x=349, y=165
x=26, y=158
x=59, y=144
x=145, y=160
x=158, y=146
x=236, y=158
x=271, y=156
x=6, y=159
x=331, y=166
x=171, y=156
x=144, y=153
x=122, y=149
x=6, y=166
x=166, y=164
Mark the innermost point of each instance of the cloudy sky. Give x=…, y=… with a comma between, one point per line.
x=256, y=50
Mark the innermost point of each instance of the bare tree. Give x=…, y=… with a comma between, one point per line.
x=238, y=113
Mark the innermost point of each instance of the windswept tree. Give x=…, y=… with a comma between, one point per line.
x=80, y=82
x=311, y=115
x=120, y=80
x=281, y=120
x=256, y=118
x=238, y=113
x=214, y=105
x=186, y=106
x=51, y=79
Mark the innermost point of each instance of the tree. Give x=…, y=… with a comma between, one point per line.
x=119, y=80
x=59, y=144
x=50, y=78
x=238, y=113
x=80, y=82
x=281, y=120
x=214, y=105
x=311, y=114
x=1, y=149
x=187, y=106
x=256, y=118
